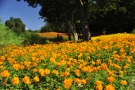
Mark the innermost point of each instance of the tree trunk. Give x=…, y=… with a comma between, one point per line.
x=72, y=28
x=84, y=12
x=68, y=29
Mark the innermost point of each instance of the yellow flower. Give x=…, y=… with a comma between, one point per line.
x=67, y=83
x=2, y=58
x=65, y=74
x=110, y=79
x=5, y=73
x=98, y=61
x=77, y=72
x=93, y=63
x=83, y=81
x=34, y=70
x=52, y=60
x=80, y=55
x=84, y=69
x=47, y=71
x=111, y=73
x=41, y=71
x=26, y=80
x=58, y=88
x=36, y=79
x=98, y=83
x=1, y=62
x=109, y=87
x=16, y=66
x=55, y=72
x=123, y=82
x=104, y=66
x=99, y=87
x=15, y=80
x=126, y=66
x=77, y=80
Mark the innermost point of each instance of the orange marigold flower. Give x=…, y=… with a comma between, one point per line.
x=34, y=64
x=55, y=72
x=99, y=87
x=52, y=60
x=5, y=73
x=41, y=57
x=122, y=50
x=128, y=60
x=15, y=80
x=77, y=72
x=110, y=79
x=98, y=83
x=16, y=66
x=99, y=55
x=126, y=66
x=83, y=81
x=104, y=66
x=58, y=88
x=80, y=55
x=26, y=80
x=111, y=73
x=84, y=69
x=109, y=87
x=34, y=70
x=41, y=71
x=68, y=82
x=1, y=62
x=123, y=82
x=65, y=74
x=36, y=79
x=47, y=71
x=98, y=61
x=77, y=80
x=2, y=58
x=93, y=63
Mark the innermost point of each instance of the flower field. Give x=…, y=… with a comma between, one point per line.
x=105, y=63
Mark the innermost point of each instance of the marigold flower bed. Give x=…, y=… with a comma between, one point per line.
x=105, y=63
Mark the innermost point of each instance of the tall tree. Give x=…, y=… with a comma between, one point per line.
x=84, y=12
x=114, y=15
x=15, y=24
x=66, y=11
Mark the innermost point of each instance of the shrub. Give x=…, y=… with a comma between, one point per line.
x=33, y=38
x=133, y=32
x=8, y=37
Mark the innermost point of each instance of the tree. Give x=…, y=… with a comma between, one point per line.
x=84, y=13
x=65, y=11
x=8, y=37
x=56, y=14
x=113, y=15
x=15, y=24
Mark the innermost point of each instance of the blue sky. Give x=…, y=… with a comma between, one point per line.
x=28, y=15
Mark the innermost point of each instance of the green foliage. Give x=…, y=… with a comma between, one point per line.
x=133, y=32
x=15, y=24
x=33, y=38
x=46, y=28
x=53, y=27
x=8, y=37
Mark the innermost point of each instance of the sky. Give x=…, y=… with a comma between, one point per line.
x=29, y=16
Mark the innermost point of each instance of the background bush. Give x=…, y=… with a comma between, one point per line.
x=8, y=37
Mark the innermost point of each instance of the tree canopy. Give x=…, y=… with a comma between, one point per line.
x=110, y=16
x=15, y=24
